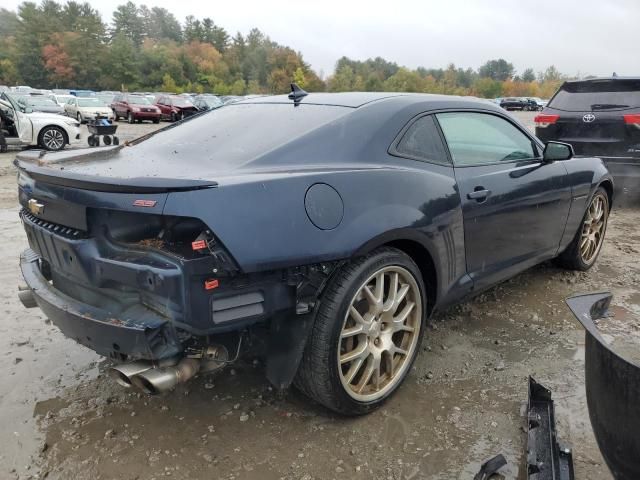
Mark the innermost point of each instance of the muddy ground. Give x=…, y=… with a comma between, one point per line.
x=62, y=418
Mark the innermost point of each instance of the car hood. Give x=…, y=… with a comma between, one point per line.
x=47, y=116
x=94, y=109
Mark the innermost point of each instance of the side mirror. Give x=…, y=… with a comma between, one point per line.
x=557, y=151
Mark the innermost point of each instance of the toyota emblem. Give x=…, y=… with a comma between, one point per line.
x=588, y=118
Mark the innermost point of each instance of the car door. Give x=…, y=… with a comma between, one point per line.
x=22, y=123
x=119, y=105
x=515, y=205
x=165, y=107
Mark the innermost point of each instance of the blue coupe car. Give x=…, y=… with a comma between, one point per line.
x=321, y=230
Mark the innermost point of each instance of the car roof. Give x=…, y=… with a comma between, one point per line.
x=603, y=79
x=360, y=99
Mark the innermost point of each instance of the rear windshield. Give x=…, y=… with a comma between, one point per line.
x=181, y=102
x=234, y=134
x=597, y=95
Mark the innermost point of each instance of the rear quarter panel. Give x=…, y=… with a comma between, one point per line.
x=261, y=219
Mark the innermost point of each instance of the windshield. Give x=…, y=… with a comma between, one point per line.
x=106, y=98
x=597, y=95
x=138, y=99
x=41, y=101
x=90, y=102
x=181, y=102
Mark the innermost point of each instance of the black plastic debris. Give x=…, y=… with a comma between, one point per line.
x=547, y=458
x=613, y=391
x=490, y=467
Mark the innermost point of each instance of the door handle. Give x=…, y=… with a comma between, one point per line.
x=479, y=194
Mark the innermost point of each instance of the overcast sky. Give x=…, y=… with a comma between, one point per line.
x=582, y=37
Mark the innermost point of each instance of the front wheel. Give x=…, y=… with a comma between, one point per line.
x=583, y=251
x=366, y=333
x=52, y=138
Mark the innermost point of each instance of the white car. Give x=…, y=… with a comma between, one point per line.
x=23, y=127
x=86, y=108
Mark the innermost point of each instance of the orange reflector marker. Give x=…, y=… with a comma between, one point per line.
x=199, y=244
x=211, y=284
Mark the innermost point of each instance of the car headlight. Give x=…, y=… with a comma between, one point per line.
x=135, y=109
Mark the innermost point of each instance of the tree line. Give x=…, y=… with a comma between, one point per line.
x=55, y=45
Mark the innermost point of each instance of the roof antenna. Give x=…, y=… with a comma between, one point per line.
x=297, y=94
x=614, y=75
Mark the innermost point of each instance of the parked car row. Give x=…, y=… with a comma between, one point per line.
x=531, y=104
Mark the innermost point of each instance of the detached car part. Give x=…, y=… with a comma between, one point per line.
x=613, y=391
x=490, y=467
x=547, y=459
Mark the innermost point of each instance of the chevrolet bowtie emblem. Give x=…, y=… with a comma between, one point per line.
x=36, y=207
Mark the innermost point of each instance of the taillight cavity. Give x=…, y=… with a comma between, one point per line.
x=544, y=120
x=632, y=119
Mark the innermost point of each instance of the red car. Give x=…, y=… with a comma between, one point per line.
x=175, y=107
x=134, y=107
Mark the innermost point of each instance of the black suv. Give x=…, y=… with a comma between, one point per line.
x=600, y=116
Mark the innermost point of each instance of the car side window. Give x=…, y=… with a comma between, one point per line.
x=481, y=138
x=422, y=141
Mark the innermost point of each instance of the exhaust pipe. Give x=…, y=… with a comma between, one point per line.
x=157, y=380
x=123, y=373
x=26, y=296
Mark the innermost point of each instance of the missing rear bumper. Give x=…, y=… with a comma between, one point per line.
x=137, y=332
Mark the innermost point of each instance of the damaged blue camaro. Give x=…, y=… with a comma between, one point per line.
x=321, y=230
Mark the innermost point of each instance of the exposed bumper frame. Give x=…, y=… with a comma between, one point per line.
x=140, y=333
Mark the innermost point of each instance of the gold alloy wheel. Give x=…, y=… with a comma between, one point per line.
x=593, y=228
x=380, y=333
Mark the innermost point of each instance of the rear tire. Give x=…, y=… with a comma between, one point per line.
x=584, y=249
x=156, y=120
x=115, y=116
x=366, y=334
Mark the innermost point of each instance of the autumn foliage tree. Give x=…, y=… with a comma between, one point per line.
x=53, y=44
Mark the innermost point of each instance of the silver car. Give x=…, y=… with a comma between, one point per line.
x=86, y=108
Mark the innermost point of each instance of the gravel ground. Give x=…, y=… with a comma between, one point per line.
x=463, y=402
